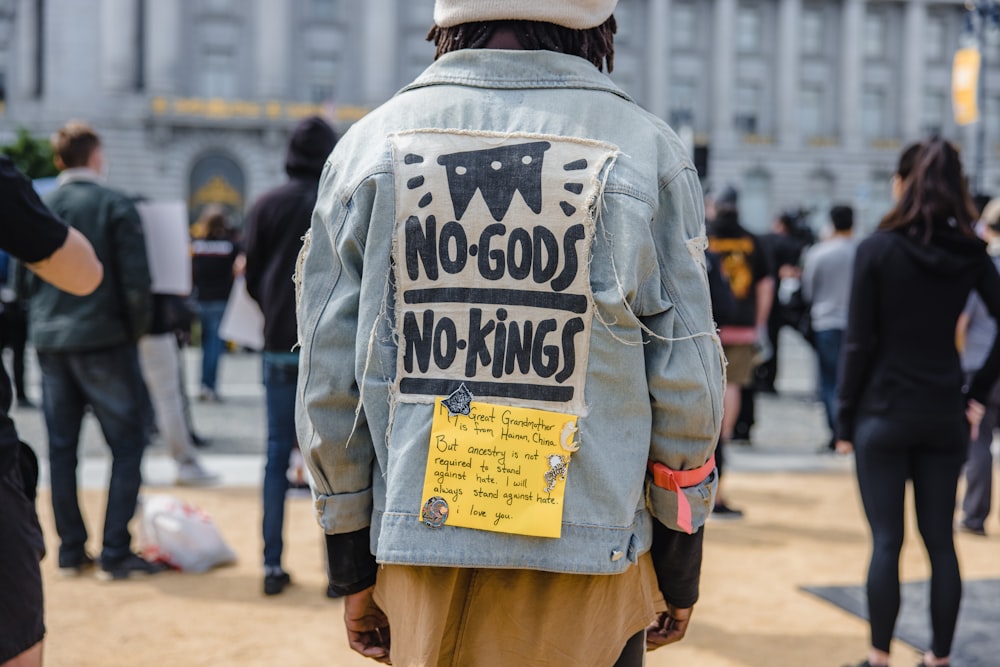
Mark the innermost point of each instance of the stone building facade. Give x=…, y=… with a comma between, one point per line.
x=798, y=102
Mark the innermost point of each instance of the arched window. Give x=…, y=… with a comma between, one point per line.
x=216, y=178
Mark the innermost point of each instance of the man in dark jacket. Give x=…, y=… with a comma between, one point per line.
x=87, y=353
x=275, y=227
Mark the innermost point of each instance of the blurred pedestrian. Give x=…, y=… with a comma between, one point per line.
x=64, y=257
x=902, y=407
x=498, y=269
x=826, y=287
x=785, y=244
x=214, y=264
x=159, y=357
x=745, y=339
x=87, y=353
x=977, y=330
x=275, y=227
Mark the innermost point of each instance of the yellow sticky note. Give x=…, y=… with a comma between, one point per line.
x=499, y=468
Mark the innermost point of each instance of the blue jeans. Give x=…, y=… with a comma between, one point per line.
x=281, y=372
x=210, y=316
x=828, y=344
x=110, y=382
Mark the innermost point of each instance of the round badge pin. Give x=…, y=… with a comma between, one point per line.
x=434, y=512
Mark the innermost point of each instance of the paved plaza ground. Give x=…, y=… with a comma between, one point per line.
x=804, y=527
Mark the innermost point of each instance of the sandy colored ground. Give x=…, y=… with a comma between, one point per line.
x=802, y=529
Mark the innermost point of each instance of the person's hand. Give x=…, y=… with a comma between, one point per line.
x=974, y=411
x=844, y=447
x=367, y=626
x=763, y=350
x=669, y=627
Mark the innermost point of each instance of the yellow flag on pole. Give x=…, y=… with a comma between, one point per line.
x=964, y=85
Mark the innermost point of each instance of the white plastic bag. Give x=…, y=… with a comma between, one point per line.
x=180, y=535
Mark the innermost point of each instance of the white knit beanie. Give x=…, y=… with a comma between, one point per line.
x=575, y=14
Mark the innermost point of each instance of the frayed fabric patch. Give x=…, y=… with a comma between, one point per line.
x=491, y=250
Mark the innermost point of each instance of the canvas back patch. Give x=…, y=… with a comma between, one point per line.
x=492, y=247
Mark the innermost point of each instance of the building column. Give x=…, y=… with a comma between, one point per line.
x=119, y=43
x=658, y=58
x=380, y=55
x=913, y=70
x=723, y=70
x=164, y=34
x=789, y=24
x=852, y=57
x=27, y=61
x=273, y=48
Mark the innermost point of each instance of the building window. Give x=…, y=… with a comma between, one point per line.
x=684, y=26
x=682, y=103
x=217, y=6
x=748, y=29
x=755, y=201
x=218, y=73
x=323, y=9
x=746, y=106
x=934, y=112
x=321, y=69
x=873, y=113
x=813, y=32
x=934, y=39
x=811, y=111
x=875, y=36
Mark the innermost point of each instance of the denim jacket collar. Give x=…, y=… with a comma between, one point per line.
x=506, y=69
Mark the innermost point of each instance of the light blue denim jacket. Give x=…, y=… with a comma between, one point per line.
x=653, y=368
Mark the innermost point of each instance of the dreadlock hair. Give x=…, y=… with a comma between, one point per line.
x=596, y=45
x=935, y=192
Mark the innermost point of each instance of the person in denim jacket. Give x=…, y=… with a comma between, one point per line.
x=510, y=382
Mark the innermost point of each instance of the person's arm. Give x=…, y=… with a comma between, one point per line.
x=129, y=256
x=860, y=341
x=988, y=288
x=255, y=245
x=336, y=439
x=685, y=379
x=73, y=267
x=56, y=253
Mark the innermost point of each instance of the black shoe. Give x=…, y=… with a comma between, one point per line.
x=724, y=511
x=130, y=565
x=276, y=583
x=77, y=567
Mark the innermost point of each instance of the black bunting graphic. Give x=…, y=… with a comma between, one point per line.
x=497, y=173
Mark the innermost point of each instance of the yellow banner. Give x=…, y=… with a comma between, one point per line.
x=964, y=86
x=498, y=468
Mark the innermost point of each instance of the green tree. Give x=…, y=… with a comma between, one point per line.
x=33, y=156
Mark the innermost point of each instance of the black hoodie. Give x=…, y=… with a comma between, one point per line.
x=899, y=356
x=275, y=226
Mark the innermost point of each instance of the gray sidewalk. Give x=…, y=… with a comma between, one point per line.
x=790, y=426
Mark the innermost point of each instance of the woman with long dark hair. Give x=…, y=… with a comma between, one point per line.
x=903, y=409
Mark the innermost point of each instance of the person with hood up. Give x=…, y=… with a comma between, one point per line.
x=275, y=226
x=902, y=406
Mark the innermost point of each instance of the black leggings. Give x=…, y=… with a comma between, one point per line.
x=931, y=454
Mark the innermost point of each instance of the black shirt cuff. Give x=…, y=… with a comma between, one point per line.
x=351, y=566
x=677, y=561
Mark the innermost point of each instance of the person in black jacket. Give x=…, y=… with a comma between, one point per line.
x=275, y=227
x=62, y=256
x=902, y=407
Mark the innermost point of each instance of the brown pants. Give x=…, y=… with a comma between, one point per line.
x=459, y=617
